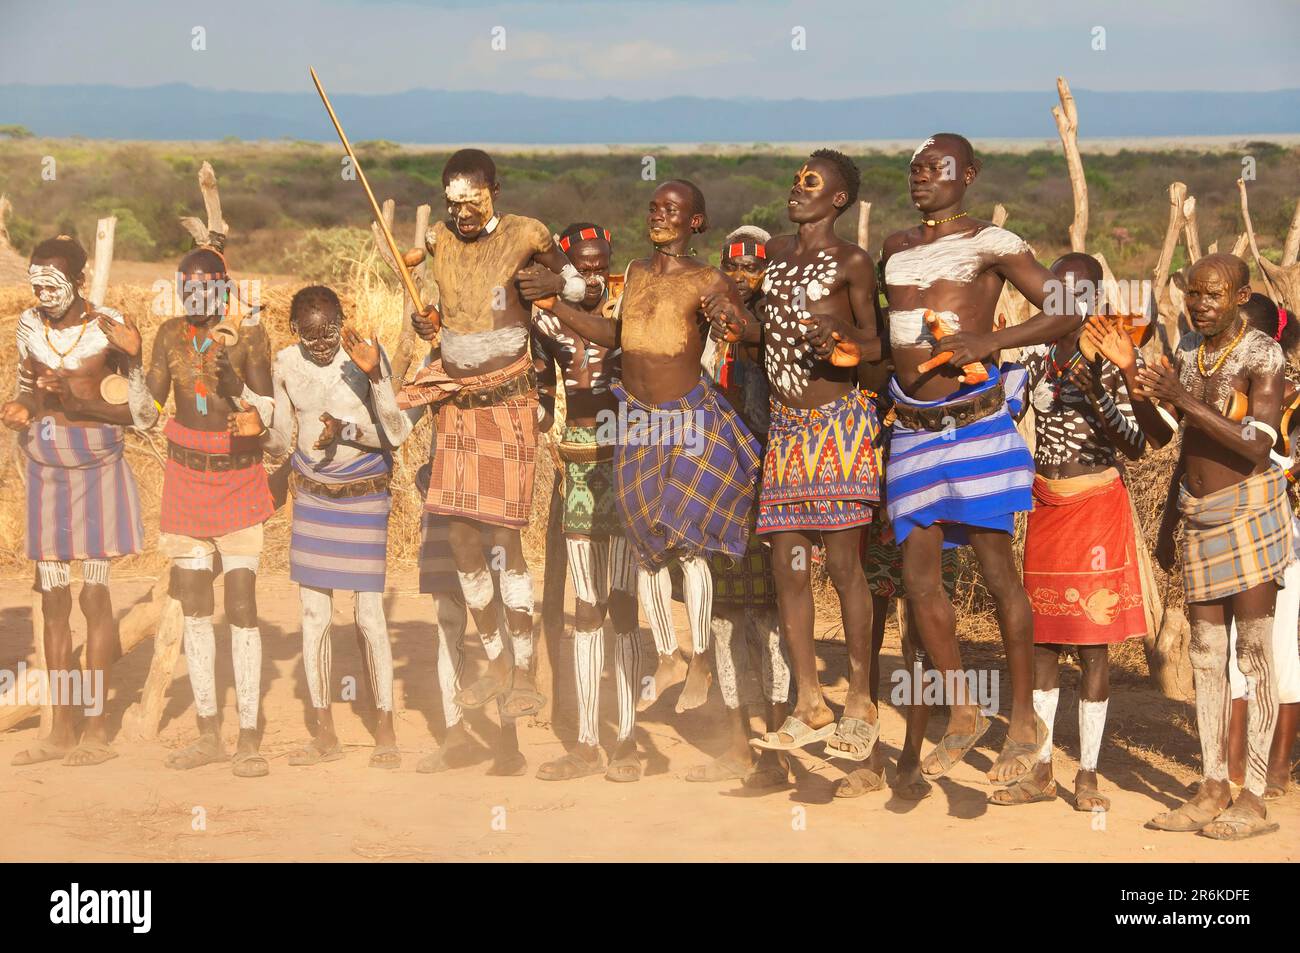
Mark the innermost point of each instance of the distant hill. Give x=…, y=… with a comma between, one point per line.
x=183, y=112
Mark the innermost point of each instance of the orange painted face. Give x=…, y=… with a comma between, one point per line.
x=812, y=196
x=746, y=271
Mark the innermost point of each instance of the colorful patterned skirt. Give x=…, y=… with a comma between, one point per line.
x=205, y=504
x=588, y=485
x=822, y=466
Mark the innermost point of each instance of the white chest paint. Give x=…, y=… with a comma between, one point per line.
x=67, y=348
x=339, y=388
x=959, y=257
x=787, y=289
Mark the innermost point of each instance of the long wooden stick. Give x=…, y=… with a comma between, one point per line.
x=402, y=271
x=103, y=261
x=1067, y=124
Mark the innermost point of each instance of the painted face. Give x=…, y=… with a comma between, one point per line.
x=1080, y=289
x=320, y=335
x=936, y=178
x=747, y=272
x=670, y=215
x=591, y=258
x=1211, y=301
x=469, y=205
x=812, y=196
x=54, y=292
x=203, y=296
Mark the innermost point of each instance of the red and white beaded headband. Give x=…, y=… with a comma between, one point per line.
x=741, y=249
x=584, y=235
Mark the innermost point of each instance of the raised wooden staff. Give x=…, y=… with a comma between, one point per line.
x=403, y=272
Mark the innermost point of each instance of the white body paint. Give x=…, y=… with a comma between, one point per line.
x=959, y=257
x=304, y=390
x=908, y=328
x=474, y=349
x=32, y=342
x=788, y=357
x=52, y=289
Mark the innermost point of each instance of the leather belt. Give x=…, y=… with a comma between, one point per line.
x=212, y=462
x=586, y=452
x=959, y=414
x=338, y=491
x=521, y=386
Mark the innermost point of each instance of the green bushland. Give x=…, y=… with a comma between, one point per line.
x=290, y=207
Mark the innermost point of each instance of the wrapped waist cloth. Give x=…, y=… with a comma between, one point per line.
x=485, y=456
x=1081, y=562
x=821, y=470
x=1235, y=538
x=684, y=476
x=340, y=542
x=588, y=485
x=210, y=503
x=978, y=474
x=81, y=497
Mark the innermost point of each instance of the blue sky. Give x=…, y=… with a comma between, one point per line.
x=651, y=50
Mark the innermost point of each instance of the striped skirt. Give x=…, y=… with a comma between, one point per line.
x=81, y=496
x=980, y=474
x=340, y=543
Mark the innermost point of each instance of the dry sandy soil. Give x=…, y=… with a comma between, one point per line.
x=133, y=808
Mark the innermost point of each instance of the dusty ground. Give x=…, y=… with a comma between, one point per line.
x=134, y=809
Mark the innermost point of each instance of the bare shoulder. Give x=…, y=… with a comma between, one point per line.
x=779, y=243
x=532, y=232
x=899, y=240
x=1263, y=355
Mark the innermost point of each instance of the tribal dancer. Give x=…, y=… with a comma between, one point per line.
x=1265, y=316
x=1082, y=565
x=81, y=496
x=821, y=469
x=745, y=622
x=684, y=464
x=958, y=470
x=1238, y=534
x=335, y=389
x=215, y=495
x=602, y=567
x=486, y=430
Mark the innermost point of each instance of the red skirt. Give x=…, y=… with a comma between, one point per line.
x=1081, y=562
x=208, y=504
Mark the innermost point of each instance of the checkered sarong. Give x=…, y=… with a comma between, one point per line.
x=205, y=503
x=1237, y=537
x=684, y=475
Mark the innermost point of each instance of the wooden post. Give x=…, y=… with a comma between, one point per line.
x=216, y=223
x=105, y=229
x=864, y=223
x=1067, y=124
x=1281, y=281
x=1168, y=310
x=140, y=721
x=1191, y=230
x=1291, y=247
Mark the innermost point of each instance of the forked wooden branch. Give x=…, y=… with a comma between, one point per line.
x=1067, y=124
x=1281, y=281
x=1191, y=229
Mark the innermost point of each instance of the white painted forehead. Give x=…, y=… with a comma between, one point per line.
x=462, y=188
x=46, y=273
x=923, y=146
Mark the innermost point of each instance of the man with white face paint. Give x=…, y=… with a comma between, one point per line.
x=601, y=566
x=81, y=496
x=215, y=493
x=958, y=470
x=482, y=379
x=335, y=388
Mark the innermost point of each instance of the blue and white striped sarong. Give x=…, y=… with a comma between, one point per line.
x=340, y=543
x=980, y=474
